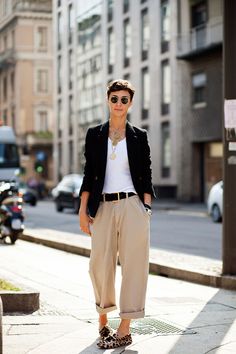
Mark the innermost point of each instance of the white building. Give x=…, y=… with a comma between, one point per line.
x=103, y=40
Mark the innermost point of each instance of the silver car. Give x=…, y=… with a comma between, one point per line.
x=66, y=193
x=215, y=202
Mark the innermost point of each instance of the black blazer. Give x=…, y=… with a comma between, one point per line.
x=96, y=159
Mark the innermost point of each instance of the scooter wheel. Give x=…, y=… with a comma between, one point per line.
x=14, y=237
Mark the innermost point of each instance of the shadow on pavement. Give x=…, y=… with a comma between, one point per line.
x=213, y=326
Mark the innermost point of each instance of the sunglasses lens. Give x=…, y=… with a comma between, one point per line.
x=124, y=100
x=114, y=99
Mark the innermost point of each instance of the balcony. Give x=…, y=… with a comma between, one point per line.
x=7, y=58
x=39, y=139
x=32, y=5
x=200, y=40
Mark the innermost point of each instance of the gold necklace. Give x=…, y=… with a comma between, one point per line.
x=116, y=135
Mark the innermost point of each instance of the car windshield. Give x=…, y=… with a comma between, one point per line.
x=9, y=155
x=71, y=182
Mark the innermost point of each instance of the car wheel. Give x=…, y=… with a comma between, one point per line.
x=77, y=205
x=33, y=203
x=215, y=213
x=59, y=207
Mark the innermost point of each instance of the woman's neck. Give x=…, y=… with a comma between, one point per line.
x=117, y=123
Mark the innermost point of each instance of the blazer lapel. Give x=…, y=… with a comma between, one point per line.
x=102, y=146
x=131, y=140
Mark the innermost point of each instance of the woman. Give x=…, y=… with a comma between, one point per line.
x=115, y=210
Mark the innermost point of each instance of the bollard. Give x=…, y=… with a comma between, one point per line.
x=0, y=325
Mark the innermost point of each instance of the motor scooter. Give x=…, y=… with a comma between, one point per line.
x=11, y=213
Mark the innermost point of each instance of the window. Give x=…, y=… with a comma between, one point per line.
x=42, y=38
x=127, y=42
x=59, y=79
x=198, y=24
x=59, y=121
x=145, y=35
x=5, y=117
x=71, y=22
x=111, y=50
x=70, y=69
x=125, y=6
x=5, y=88
x=12, y=82
x=199, y=14
x=43, y=121
x=165, y=87
x=13, y=118
x=165, y=25
x=5, y=42
x=13, y=38
x=199, y=81
x=165, y=150
x=71, y=159
x=145, y=93
x=58, y=3
x=109, y=10
x=59, y=30
x=42, y=81
x=71, y=114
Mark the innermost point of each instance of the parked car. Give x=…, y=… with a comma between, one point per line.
x=215, y=202
x=29, y=195
x=66, y=193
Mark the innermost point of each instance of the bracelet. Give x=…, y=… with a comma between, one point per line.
x=147, y=206
x=148, y=209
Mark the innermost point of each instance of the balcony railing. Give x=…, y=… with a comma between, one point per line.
x=199, y=39
x=32, y=5
x=7, y=58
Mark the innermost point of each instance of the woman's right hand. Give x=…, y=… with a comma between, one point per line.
x=85, y=220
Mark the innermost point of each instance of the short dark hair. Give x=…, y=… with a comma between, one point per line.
x=119, y=85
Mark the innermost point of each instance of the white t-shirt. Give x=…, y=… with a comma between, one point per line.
x=117, y=177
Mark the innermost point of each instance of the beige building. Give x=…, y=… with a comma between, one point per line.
x=26, y=80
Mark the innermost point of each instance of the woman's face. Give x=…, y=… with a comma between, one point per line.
x=119, y=103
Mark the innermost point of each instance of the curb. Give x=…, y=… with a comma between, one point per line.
x=208, y=279
x=19, y=301
x=0, y=325
x=192, y=275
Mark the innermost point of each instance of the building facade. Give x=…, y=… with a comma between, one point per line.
x=143, y=41
x=199, y=53
x=26, y=81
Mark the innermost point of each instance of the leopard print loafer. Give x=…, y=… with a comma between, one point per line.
x=114, y=341
x=105, y=331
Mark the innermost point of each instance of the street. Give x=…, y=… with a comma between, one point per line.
x=173, y=230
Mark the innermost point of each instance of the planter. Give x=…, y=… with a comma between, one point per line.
x=19, y=301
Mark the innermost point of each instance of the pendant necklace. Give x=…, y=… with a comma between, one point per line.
x=114, y=143
x=113, y=154
x=116, y=136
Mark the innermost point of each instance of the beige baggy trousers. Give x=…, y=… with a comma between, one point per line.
x=120, y=228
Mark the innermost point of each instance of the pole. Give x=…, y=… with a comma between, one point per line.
x=229, y=141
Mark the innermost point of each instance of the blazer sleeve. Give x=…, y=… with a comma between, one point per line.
x=147, y=170
x=88, y=170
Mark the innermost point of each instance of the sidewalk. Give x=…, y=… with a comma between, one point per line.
x=181, y=317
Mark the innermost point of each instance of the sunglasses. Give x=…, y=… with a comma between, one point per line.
x=115, y=99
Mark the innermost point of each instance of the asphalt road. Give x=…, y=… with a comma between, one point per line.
x=180, y=231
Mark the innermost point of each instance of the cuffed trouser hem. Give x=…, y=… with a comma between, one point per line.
x=132, y=315
x=103, y=311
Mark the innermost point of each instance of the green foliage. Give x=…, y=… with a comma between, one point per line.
x=44, y=134
x=5, y=285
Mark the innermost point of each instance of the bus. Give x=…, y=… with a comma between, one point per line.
x=9, y=155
